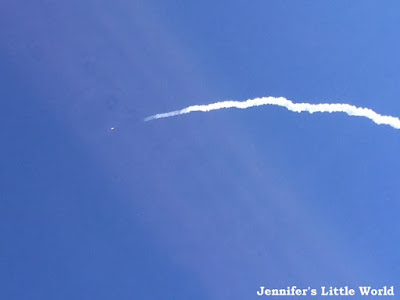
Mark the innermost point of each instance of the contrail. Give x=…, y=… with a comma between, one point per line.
x=351, y=110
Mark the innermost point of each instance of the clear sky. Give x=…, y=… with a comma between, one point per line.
x=207, y=205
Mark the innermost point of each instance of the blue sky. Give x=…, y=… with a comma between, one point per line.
x=206, y=205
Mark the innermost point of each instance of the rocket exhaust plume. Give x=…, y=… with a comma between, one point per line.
x=351, y=110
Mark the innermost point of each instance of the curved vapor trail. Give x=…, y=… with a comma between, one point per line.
x=351, y=110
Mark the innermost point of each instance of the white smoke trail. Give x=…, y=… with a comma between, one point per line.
x=351, y=110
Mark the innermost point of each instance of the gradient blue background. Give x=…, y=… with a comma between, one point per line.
x=201, y=206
